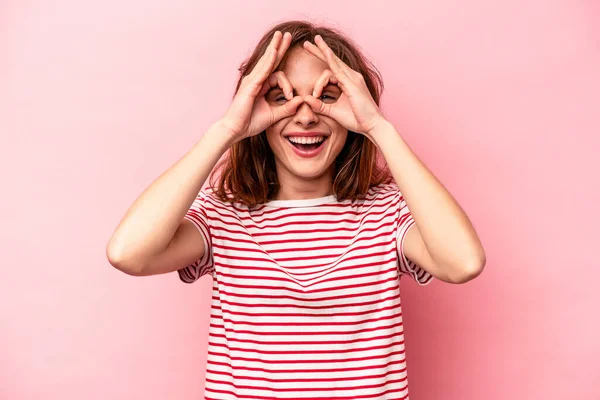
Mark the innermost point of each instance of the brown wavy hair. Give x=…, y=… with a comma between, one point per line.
x=248, y=173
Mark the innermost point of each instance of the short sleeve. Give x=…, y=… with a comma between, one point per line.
x=405, y=265
x=197, y=215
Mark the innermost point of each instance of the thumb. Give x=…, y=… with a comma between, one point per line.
x=289, y=108
x=318, y=106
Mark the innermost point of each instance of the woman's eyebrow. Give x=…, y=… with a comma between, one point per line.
x=294, y=92
x=331, y=85
x=274, y=88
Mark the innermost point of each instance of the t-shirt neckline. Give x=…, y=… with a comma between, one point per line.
x=302, y=202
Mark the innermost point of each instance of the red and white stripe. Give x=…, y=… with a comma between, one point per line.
x=306, y=298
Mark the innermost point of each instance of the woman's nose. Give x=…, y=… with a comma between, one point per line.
x=305, y=115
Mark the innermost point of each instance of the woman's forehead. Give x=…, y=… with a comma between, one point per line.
x=301, y=67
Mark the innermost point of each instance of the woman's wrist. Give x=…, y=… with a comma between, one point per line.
x=221, y=133
x=217, y=138
x=224, y=126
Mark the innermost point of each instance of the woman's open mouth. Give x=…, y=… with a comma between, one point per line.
x=307, y=146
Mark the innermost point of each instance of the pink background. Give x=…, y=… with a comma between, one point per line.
x=499, y=98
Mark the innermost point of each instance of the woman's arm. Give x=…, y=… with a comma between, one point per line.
x=153, y=237
x=445, y=242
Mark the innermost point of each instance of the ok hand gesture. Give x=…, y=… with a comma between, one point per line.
x=249, y=112
x=355, y=109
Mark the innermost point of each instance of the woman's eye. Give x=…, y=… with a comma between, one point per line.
x=324, y=97
x=280, y=98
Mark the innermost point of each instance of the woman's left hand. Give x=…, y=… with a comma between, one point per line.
x=355, y=109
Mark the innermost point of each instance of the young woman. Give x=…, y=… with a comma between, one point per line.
x=304, y=233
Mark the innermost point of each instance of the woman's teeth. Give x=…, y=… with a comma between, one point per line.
x=305, y=140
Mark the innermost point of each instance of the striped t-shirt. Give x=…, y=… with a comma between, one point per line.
x=306, y=296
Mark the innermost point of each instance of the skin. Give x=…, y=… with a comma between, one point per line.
x=443, y=241
x=302, y=177
x=154, y=238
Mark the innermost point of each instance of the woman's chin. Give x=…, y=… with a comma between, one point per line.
x=308, y=172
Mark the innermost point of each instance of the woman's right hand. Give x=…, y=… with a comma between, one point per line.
x=250, y=113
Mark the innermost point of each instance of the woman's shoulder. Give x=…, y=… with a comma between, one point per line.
x=223, y=201
x=375, y=193
x=382, y=195
x=383, y=190
x=213, y=194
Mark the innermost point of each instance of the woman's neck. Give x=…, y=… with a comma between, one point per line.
x=296, y=188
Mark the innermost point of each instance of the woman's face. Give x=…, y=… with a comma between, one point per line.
x=305, y=144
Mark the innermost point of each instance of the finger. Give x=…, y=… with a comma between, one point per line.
x=318, y=106
x=287, y=109
x=325, y=49
x=278, y=79
x=257, y=83
x=261, y=69
x=261, y=60
x=322, y=81
x=314, y=50
x=285, y=44
x=265, y=69
x=274, y=47
x=344, y=80
x=264, y=89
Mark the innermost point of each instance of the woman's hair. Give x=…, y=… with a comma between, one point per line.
x=248, y=174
